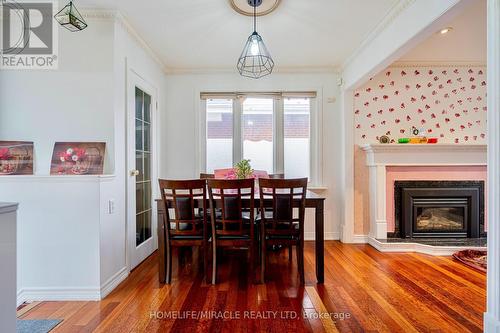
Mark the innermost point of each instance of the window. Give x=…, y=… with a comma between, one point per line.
x=257, y=129
x=297, y=137
x=274, y=130
x=219, y=131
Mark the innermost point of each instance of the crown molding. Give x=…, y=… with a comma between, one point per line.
x=404, y=64
x=391, y=15
x=233, y=70
x=137, y=37
x=98, y=14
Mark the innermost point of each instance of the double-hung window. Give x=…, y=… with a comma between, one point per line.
x=277, y=132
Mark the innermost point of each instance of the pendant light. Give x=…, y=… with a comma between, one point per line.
x=70, y=18
x=255, y=61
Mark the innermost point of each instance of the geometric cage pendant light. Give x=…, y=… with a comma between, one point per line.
x=255, y=60
x=70, y=18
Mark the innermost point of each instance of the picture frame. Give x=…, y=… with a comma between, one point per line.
x=16, y=158
x=78, y=158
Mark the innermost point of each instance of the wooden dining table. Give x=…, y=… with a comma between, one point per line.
x=313, y=201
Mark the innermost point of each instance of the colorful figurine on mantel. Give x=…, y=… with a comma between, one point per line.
x=419, y=137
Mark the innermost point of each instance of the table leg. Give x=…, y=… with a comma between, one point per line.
x=319, y=243
x=161, y=247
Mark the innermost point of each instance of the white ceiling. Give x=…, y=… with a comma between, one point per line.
x=465, y=43
x=208, y=34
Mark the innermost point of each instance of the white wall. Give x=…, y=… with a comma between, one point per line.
x=180, y=126
x=73, y=103
x=127, y=53
x=58, y=218
x=57, y=234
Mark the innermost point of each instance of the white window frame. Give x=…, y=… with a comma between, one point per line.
x=315, y=135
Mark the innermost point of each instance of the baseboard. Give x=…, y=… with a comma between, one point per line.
x=329, y=235
x=113, y=282
x=360, y=239
x=58, y=294
x=491, y=324
x=418, y=248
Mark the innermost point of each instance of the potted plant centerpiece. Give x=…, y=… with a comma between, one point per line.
x=243, y=169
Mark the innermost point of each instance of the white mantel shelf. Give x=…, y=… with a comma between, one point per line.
x=381, y=156
x=425, y=154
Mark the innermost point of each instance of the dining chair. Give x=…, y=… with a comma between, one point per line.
x=233, y=226
x=207, y=176
x=284, y=224
x=185, y=218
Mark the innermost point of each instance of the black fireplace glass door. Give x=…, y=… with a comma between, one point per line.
x=439, y=219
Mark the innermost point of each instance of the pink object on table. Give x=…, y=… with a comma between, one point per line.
x=231, y=174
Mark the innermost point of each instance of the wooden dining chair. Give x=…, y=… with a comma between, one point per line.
x=185, y=218
x=234, y=226
x=207, y=176
x=284, y=224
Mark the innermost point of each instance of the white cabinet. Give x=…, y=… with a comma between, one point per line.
x=8, y=289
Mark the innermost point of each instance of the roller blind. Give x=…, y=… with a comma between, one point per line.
x=258, y=94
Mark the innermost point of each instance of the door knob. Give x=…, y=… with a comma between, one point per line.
x=134, y=173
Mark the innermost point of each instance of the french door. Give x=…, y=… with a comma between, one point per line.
x=141, y=159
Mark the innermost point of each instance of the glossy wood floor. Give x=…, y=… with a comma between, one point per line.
x=364, y=291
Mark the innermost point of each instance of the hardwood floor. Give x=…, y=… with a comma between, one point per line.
x=364, y=291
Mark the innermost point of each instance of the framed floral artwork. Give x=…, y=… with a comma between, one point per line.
x=16, y=158
x=78, y=158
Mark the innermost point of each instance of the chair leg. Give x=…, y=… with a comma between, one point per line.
x=300, y=261
x=252, y=260
x=168, y=270
x=205, y=261
x=214, y=262
x=263, y=256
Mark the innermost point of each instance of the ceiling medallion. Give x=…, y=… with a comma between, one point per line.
x=243, y=7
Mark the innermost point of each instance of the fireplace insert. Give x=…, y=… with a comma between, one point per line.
x=444, y=209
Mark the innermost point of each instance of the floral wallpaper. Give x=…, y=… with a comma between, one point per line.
x=448, y=103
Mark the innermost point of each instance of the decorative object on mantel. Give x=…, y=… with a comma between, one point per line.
x=16, y=158
x=418, y=140
x=70, y=18
x=384, y=139
x=473, y=258
x=255, y=60
x=78, y=158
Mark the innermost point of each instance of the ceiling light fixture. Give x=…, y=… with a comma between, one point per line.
x=444, y=31
x=70, y=18
x=255, y=61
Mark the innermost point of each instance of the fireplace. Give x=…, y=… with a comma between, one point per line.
x=439, y=209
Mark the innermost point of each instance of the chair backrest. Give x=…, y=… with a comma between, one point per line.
x=181, y=199
x=277, y=176
x=207, y=176
x=232, y=198
x=286, y=195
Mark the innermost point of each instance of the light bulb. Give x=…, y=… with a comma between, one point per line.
x=254, y=48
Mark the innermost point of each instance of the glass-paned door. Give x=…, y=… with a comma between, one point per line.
x=143, y=217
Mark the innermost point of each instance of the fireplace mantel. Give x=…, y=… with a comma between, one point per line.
x=425, y=154
x=380, y=156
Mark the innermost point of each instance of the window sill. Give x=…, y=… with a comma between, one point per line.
x=317, y=188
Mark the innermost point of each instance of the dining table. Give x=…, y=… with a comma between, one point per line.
x=312, y=201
